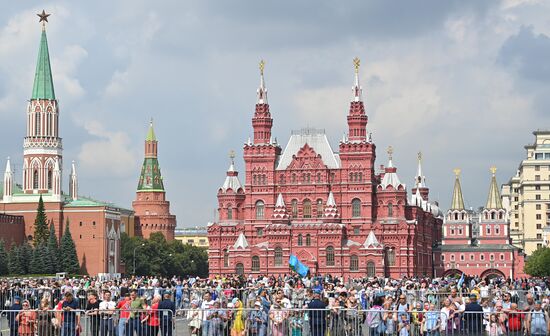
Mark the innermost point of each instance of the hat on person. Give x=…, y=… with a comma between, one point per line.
x=235, y=300
x=16, y=298
x=257, y=303
x=195, y=302
x=473, y=296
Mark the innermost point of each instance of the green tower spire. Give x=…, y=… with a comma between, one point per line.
x=150, y=178
x=43, y=82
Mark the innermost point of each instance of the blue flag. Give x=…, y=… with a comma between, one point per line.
x=461, y=281
x=297, y=266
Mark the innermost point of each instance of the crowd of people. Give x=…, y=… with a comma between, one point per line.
x=268, y=305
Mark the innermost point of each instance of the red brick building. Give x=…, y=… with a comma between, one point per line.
x=479, y=242
x=12, y=229
x=333, y=210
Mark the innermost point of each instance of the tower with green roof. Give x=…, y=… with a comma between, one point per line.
x=43, y=149
x=152, y=210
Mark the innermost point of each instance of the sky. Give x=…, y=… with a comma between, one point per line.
x=464, y=81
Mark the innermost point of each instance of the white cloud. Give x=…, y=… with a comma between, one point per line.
x=110, y=155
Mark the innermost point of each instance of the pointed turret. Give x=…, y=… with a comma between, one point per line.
x=420, y=181
x=151, y=178
x=371, y=241
x=357, y=118
x=241, y=242
x=493, y=200
x=8, y=182
x=56, y=185
x=232, y=177
x=390, y=173
x=331, y=210
x=280, y=208
x=458, y=200
x=73, y=183
x=262, y=121
x=43, y=81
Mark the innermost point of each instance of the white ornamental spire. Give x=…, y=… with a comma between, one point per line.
x=8, y=182
x=420, y=179
x=73, y=183
x=357, y=89
x=262, y=90
x=56, y=183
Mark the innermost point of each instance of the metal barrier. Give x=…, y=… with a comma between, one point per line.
x=275, y=321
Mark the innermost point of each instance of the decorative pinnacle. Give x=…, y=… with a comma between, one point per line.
x=43, y=18
x=419, y=156
x=493, y=170
x=457, y=172
x=356, y=64
x=390, y=152
x=262, y=66
x=232, y=156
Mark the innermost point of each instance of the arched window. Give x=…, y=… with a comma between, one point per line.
x=260, y=210
x=353, y=263
x=300, y=240
x=282, y=179
x=351, y=177
x=493, y=215
x=35, y=179
x=278, y=256
x=491, y=257
x=497, y=230
x=307, y=208
x=294, y=206
x=293, y=180
x=481, y=257
x=391, y=256
x=255, y=264
x=49, y=179
x=390, y=210
x=330, y=255
x=500, y=215
x=360, y=178
x=239, y=269
x=318, y=177
x=356, y=208
x=230, y=212
x=456, y=216
x=37, y=123
x=371, y=269
x=308, y=178
x=319, y=208
x=225, y=258
x=254, y=179
x=308, y=239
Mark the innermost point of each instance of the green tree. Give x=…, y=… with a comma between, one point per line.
x=25, y=256
x=37, y=265
x=15, y=265
x=3, y=258
x=67, y=252
x=52, y=251
x=40, y=224
x=538, y=263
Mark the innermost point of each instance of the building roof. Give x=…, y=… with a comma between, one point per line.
x=151, y=133
x=493, y=200
x=458, y=201
x=232, y=180
x=371, y=241
x=317, y=140
x=241, y=242
x=150, y=178
x=43, y=81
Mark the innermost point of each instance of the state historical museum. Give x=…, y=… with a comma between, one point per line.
x=333, y=210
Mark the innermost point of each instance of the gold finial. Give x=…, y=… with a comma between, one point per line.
x=457, y=172
x=356, y=64
x=43, y=18
x=493, y=170
x=262, y=66
x=390, y=151
x=232, y=156
x=419, y=156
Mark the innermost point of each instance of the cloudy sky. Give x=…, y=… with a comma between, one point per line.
x=465, y=82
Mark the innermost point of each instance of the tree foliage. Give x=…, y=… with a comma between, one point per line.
x=40, y=224
x=538, y=264
x=158, y=256
x=52, y=251
x=15, y=262
x=3, y=258
x=68, y=259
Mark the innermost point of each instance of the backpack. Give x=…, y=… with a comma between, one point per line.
x=514, y=322
x=538, y=322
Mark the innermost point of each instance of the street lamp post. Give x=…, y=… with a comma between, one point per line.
x=135, y=248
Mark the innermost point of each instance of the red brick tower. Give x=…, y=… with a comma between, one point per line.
x=152, y=210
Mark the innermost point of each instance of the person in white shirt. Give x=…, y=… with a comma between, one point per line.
x=106, y=311
x=206, y=308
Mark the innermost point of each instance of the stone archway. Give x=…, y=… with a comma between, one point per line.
x=453, y=272
x=492, y=273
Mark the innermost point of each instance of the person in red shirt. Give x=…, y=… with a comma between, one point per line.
x=153, y=320
x=124, y=307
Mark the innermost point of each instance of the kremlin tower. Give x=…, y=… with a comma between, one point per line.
x=152, y=210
